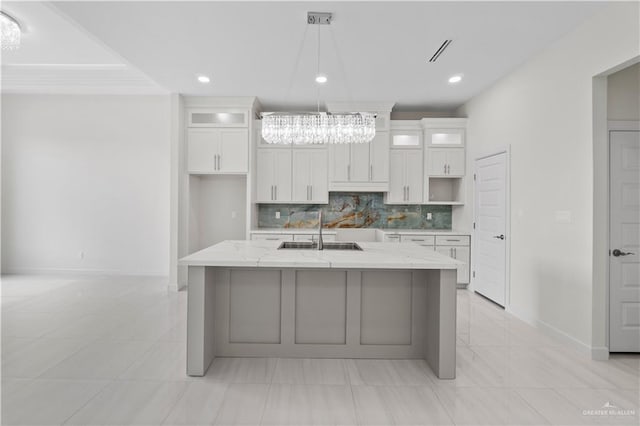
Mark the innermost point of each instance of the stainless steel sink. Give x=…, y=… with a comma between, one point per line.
x=342, y=246
x=307, y=245
x=298, y=245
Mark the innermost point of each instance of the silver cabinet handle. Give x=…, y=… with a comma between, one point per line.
x=445, y=169
x=455, y=253
x=219, y=161
x=349, y=172
x=311, y=192
x=408, y=193
x=276, y=191
x=271, y=192
x=370, y=171
x=215, y=162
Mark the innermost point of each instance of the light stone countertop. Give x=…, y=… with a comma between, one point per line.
x=265, y=254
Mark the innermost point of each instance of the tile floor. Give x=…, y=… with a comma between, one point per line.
x=108, y=350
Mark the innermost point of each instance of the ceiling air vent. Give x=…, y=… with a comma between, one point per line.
x=440, y=50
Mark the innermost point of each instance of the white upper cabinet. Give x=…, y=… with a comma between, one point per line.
x=405, y=177
x=206, y=117
x=444, y=132
x=447, y=162
x=273, y=178
x=406, y=134
x=445, y=137
x=360, y=167
x=217, y=150
x=310, y=176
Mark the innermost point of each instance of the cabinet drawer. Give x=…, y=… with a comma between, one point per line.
x=313, y=237
x=393, y=238
x=452, y=240
x=272, y=237
x=427, y=240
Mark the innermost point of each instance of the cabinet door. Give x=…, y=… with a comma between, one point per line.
x=445, y=137
x=302, y=163
x=282, y=175
x=437, y=161
x=233, y=151
x=339, y=157
x=397, y=192
x=273, y=175
x=202, y=150
x=447, y=251
x=265, y=175
x=319, y=177
x=413, y=171
x=379, y=161
x=360, y=166
x=463, y=254
x=456, y=162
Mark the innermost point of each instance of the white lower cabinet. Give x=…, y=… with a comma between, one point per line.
x=272, y=237
x=457, y=247
x=284, y=236
x=454, y=246
x=314, y=237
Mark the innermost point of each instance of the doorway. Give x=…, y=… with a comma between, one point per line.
x=624, y=241
x=491, y=236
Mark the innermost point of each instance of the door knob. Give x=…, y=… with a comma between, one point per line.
x=617, y=253
x=500, y=237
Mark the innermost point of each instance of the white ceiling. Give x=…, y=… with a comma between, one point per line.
x=372, y=51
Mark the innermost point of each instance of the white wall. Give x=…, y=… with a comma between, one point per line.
x=623, y=94
x=543, y=110
x=221, y=210
x=85, y=174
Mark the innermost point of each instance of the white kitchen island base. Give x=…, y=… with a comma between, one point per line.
x=323, y=311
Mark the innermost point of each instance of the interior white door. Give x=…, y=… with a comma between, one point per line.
x=624, y=241
x=490, y=216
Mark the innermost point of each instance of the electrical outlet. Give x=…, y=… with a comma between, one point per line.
x=277, y=215
x=429, y=216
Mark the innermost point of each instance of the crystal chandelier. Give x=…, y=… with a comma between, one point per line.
x=10, y=38
x=318, y=127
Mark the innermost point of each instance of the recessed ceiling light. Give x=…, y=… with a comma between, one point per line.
x=321, y=79
x=455, y=79
x=203, y=79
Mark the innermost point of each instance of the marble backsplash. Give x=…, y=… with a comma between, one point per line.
x=355, y=210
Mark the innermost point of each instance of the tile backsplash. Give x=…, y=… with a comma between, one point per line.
x=355, y=210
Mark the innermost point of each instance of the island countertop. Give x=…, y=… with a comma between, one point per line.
x=265, y=254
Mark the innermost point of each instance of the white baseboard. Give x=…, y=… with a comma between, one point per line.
x=556, y=333
x=177, y=287
x=80, y=272
x=599, y=353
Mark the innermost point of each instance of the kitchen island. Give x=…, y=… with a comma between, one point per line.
x=249, y=298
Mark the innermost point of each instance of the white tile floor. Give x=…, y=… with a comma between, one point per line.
x=112, y=351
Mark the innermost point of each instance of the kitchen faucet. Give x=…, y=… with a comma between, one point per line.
x=320, y=243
